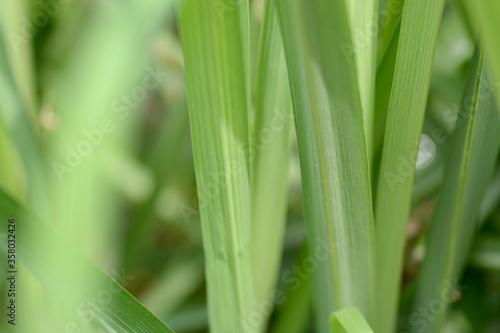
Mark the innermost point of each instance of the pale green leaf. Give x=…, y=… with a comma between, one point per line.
x=214, y=38
x=349, y=321
x=58, y=265
x=270, y=157
x=15, y=119
x=364, y=27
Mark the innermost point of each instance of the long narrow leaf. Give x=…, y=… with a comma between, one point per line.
x=364, y=27
x=389, y=22
x=100, y=298
x=383, y=88
x=14, y=116
x=484, y=16
x=270, y=152
x=473, y=150
x=418, y=36
x=215, y=44
x=333, y=159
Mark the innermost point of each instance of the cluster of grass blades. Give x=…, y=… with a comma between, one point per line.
x=251, y=166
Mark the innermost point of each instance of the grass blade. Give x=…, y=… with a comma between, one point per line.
x=383, y=88
x=121, y=312
x=473, y=150
x=388, y=49
x=484, y=16
x=335, y=178
x=15, y=118
x=349, y=321
x=215, y=44
x=364, y=28
x=390, y=21
x=20, y=53
x=418, y=36
x=270, y=154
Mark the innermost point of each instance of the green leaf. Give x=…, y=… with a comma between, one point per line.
x=20, y=52
x=364, y=28
x=383, y=89
x=14, y=116
x=332, y=151
x=270, y=153
x=390, y=21
x=418, y=36
x=58, y=265
x=215, y=43
x=473, y=147
x=484, y=16
x=118, y=55
x=349, y=321
x=462, y=9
